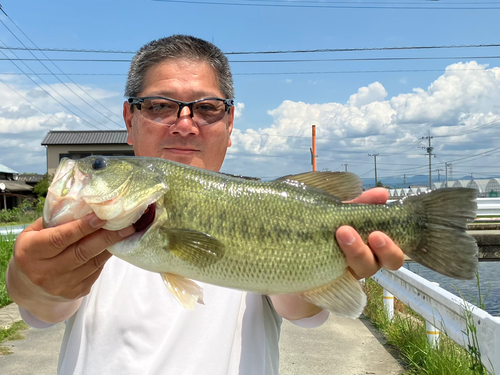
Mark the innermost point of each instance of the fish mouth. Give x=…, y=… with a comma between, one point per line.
x=146, y=219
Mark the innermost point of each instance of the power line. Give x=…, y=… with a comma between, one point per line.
x=323, y=2
x=438, y=7
x=475, y=129
x=367, y=59
x=49, y=94
x=272, y=73
x=320, y=50
x=283, y=60
x=33, y=105
x=476, y=156
x=46, y=67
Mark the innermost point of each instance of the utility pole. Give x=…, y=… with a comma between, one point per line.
x=404, y=180
x=446, y=169
x=313, y=149
x=345, y=165
x=375, y=159
x=439, y=176
x=429, y=152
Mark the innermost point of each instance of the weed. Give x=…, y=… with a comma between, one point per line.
x=11, y=333
x=407, y=332
x=6, y=251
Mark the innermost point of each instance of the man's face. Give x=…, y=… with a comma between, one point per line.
x=184, y=142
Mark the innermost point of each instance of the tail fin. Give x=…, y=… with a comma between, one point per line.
x=446, y=247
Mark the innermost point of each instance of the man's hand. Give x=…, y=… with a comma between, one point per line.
x=364, y=261
x=54, y=267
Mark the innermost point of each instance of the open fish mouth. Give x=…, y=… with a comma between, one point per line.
x=146, y=219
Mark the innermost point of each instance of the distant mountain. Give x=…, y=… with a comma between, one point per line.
x=396, y=182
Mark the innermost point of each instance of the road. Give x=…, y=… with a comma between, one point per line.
x=341, y=346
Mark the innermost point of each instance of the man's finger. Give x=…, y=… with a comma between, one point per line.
x=358, y=255
x=52, y=241
x=389, y=255
x=93, y=265
x=372, y=196
x=91, y=246
x=34, y=227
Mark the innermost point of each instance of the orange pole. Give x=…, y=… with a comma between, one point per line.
x=314, y=147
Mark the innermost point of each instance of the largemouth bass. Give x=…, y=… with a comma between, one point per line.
x=268, y=237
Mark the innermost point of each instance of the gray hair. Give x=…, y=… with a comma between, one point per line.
x=179, y=47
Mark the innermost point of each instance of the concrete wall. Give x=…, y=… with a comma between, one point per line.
x=54, y=152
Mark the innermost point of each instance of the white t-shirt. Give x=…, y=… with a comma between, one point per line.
x=130, y=324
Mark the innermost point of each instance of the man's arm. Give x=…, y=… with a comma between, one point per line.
x=52, y=269
x=363, y=261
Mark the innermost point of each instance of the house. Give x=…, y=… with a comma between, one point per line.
x=12, y=191
x=30, y=178
x=79, y=144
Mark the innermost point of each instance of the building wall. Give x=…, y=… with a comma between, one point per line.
x=56, y=152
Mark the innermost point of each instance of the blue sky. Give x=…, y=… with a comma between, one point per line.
x=356, y=113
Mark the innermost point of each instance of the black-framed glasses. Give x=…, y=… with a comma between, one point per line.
x=166, y=111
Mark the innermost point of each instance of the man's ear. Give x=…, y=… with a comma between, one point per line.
x=128, y=117
x=230, y=122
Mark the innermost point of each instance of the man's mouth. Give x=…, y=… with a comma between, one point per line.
x=175, y=150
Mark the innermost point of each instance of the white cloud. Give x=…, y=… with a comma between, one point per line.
x=28, y=113
x=460, y=108
x=375, y=92
x=464, y=88
x=463, y=105
x=238, y=110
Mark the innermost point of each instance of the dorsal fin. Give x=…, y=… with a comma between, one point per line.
x=343, y=185
x=240, y=176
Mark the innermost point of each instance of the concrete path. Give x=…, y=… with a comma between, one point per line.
x=36, y=354
x=341, y=346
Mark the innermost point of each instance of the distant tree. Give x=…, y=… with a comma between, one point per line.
x=42, y=187
x=379, y=184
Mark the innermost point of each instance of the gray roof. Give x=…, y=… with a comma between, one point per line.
x=16, y=186
x=4, y=169
x=30, y=177
x=81, y=137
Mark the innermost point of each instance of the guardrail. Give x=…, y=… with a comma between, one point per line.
x=445, y=311
x=488, y=207
x=4, y=231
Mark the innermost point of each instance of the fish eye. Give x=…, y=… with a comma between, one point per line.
x=99, y=163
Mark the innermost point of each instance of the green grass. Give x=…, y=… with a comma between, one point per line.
x=11, y=333
x=26, y=222
x=6, y=251
x=407, y=332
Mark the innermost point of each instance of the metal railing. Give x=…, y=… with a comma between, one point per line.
x=488, y=207
x=445, y=311
x=12, y=230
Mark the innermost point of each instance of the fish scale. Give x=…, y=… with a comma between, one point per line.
x=269, y=237
x=291, y=247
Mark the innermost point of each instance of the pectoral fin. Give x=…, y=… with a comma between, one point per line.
x=343, y=296
x=194, y=247
x=186, y=291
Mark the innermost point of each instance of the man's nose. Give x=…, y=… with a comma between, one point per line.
x=184, y=125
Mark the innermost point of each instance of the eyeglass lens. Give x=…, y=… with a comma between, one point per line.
x=166, y=112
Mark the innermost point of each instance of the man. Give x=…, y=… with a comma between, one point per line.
x=121, y=319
